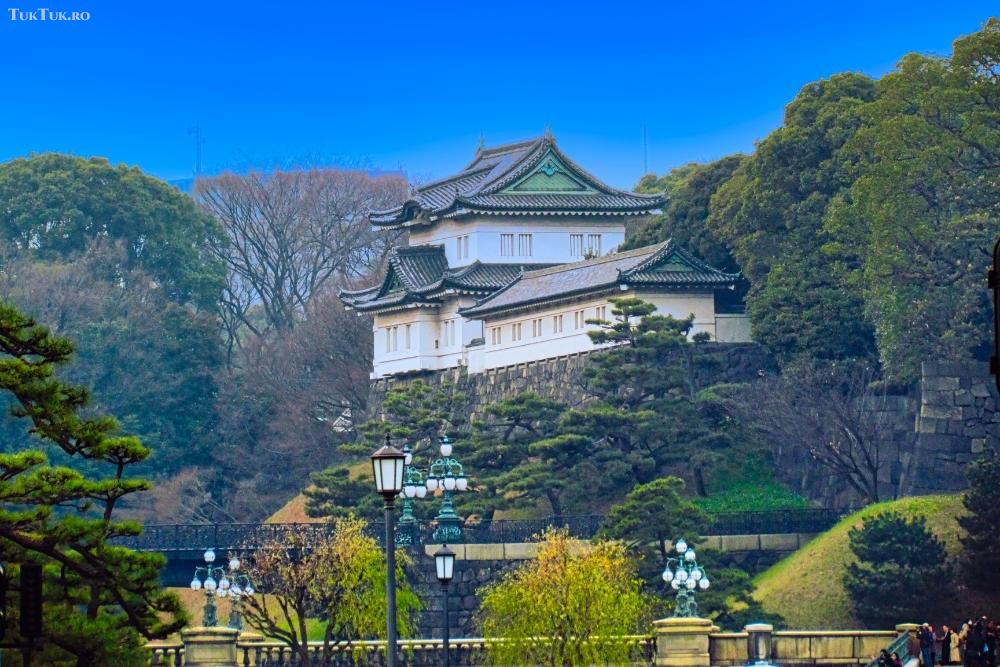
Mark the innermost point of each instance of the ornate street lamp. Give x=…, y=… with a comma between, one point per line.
x=239, y=588
x=448, y=475
x=387, y=466
x=685, y=576
x=215, y=580
x=444, y=560
x=413, y=487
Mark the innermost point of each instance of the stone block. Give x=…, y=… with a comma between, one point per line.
x=827, y=647
x=728, y=648
x=940, y=412
x=210, y=647
x=739, y=543
x=484, y=552
x=683, y=642
x=520, y=550
x=978, y=445
x=941, y=383
x=780, y=542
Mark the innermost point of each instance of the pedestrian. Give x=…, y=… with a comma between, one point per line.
x=926, y=637
x=896, y=660
x=945, y=638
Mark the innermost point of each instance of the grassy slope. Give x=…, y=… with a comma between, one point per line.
x=806, y=587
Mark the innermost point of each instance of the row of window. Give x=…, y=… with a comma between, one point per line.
x=522, y=245
x=517, y=328
x=392, y=338
x=592, y=247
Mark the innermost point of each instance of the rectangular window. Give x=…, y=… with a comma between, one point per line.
x=388, y=339
x=579, y=319
x=395, y=339
x=515, y=332
x=506, y=245
x=576, y=245
x=557, y=323
x=495, y=337
x=524, y=245
x=459, y=247
x=449, y=332
x=407, y=336
x=536, y=327
x=465, y=246
x=602, y=313
x=594, y=245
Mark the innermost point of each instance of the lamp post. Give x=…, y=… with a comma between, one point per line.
x=447, y=474
x=413, y=487
x=238, y=589
x=214, y=580
x=685, y=576
x=387, y=467
x=444, y=559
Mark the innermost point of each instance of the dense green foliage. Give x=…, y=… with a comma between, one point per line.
x=902, y=570
x=570, y=606
x=56, y=206
x=116, y=261
x=771, y=213
x=981, y=544
x=920, y=217
x=685, y=217
x=100, y=600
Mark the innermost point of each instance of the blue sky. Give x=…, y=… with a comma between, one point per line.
x=413, y=85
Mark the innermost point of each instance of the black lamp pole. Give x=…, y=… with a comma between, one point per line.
x=387, y=467
x=444, y=562
x=390, y=582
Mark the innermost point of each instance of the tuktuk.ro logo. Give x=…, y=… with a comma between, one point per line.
x=46, y=14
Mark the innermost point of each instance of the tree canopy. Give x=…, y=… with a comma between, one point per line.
x=56, y=206
x=101, y=600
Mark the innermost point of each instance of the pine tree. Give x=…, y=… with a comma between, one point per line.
x=100, y=600
x=981, y=557
x=902, y=571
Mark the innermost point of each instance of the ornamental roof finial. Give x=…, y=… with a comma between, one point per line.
x=482, y=141
x=548, y=132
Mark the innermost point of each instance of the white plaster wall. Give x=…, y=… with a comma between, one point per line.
x=573, y=340
x=428, y=349
x=550, y=237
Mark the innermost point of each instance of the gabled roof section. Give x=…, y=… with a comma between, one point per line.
x=664, y=265
x=419, y=276
x=523, y=178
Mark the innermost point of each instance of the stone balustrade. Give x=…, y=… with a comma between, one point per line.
x=676, y=642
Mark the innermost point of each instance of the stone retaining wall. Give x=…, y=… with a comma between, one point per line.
x=958, y=419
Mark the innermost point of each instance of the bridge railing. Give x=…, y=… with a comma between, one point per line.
x=237, y=536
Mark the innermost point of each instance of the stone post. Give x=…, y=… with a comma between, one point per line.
x=760, y=638
x=210, y=647
x=683, y=642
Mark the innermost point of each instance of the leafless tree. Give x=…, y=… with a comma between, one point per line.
x=289, y=233
x=292, y=402
x=838, y=416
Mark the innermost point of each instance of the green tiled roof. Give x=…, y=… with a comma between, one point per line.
x=419, y=275
x=525, y=178
x=664, y=265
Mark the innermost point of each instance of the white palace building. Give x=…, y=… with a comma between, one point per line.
x=508, y=258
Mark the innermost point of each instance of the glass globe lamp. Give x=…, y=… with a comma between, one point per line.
x=210, y=555
x=682, y=546
x=196, y=584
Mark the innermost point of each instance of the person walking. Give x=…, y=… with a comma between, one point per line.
x=926, y=638
x=946, y=636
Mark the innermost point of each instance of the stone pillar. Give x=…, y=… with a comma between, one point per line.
x=683, y=642
x=760, y=637
x=210, y=647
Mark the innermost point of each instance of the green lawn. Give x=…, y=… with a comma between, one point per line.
x=806, y=587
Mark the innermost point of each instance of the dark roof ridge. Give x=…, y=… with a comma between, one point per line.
x=501, y=149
